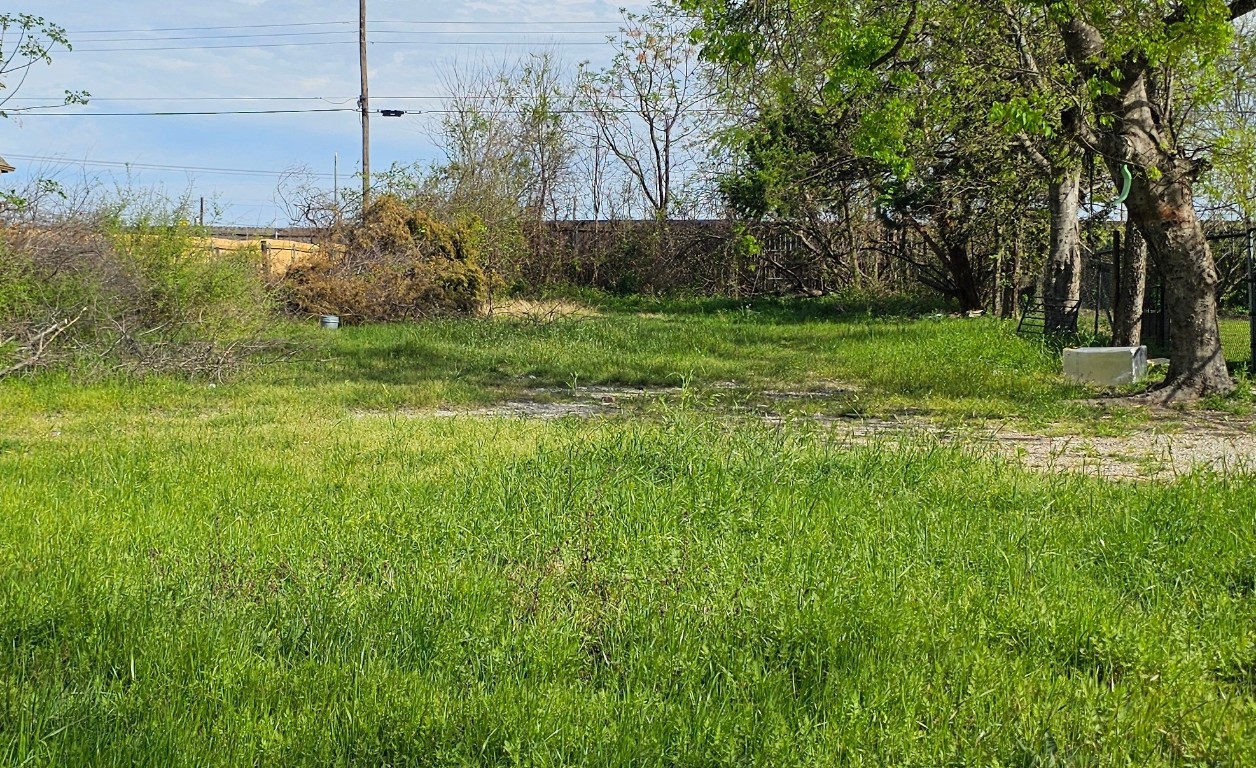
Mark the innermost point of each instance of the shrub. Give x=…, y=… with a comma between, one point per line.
x=399, y=264
x=118, y=290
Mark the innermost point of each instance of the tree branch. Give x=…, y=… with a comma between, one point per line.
x=902, y=38
x=1036, y=157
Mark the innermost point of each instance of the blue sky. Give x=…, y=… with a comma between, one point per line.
x=260, y=62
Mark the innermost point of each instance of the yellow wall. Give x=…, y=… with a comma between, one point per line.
x=281, y=255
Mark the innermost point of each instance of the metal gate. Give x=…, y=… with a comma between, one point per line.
x=1234, y=254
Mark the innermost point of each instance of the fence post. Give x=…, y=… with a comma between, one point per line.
x=1096, y=262
x=1251, y=297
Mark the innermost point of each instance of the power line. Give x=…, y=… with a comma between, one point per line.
x=164, y=38
x=25, y=111
x=334, y=32
x=622, y=111
x=173, y=113
x=306, y=44
x=159, y=167
x=519, y=22
x=328, y=99
x=476, y=23
x=193, y=29
x=133, y=49
x=55, y=102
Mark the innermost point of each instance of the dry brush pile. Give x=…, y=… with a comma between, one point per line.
x=397, y=263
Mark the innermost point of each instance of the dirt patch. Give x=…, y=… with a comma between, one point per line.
x=1183, y=444
x=821, y=391
x=555, y=403
x=1191, y=443
x=528, y=409
x=1176, y=442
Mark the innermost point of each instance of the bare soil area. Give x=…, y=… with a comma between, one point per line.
x=1175, y=443
x=1187, y=442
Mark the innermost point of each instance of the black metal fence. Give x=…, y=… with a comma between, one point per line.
x=1233, y=251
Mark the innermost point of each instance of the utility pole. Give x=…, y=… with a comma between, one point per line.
x=364, y=103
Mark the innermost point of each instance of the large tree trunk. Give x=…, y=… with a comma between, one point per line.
x=967, y=284
x=1011, y=279
x=1062, y=275
x=1161, y=205
x=1164, y=213
x=1131, y=286
x=957, y=277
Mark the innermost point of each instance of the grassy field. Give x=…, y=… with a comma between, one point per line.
x=307, y=567
x=1236, y=340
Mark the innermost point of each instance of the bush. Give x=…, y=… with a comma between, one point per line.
x=400, y=264
x=123, y=291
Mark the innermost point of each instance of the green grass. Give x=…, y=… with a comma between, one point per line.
x=1235, y=341
x=938, y=366
x=941, y=366
x=304, y=568
x=319, y=589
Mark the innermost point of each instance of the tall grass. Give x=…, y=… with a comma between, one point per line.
x=301, y=588
x=303, y=567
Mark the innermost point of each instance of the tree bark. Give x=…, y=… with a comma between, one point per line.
x=1127, y=310
x=1161, y=206
x=1011, y=280
x=967, y=284
x=957, y=277
x=1062, y=274
x=1163, y=211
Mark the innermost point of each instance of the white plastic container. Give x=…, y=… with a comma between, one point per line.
x=330, y=322
x=1106, y=366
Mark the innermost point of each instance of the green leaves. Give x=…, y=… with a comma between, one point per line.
x=1024, y=114
x=36, y=37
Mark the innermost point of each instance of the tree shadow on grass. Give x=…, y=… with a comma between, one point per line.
x=783, y=310
x=403, y=364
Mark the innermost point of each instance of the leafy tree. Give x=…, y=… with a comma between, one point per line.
x=1119, y=64
x=1224, y=124
x=1032, y=110
x=1129, y=55
x=884, y=102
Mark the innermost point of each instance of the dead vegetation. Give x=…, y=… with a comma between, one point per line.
x=104, y=290
x=400, y=263
x=538, y=310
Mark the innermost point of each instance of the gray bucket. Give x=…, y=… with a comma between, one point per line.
x=331, y=322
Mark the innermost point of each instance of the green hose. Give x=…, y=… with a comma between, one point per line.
x=1126, y=179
